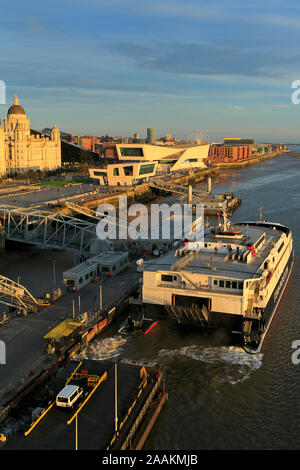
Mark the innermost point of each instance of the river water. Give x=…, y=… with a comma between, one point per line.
x=219, y=396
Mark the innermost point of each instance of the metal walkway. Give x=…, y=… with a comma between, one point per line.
x=16, y=295
x=94, y=214
x=176, y=188
x=83, y=210
x=47, y=229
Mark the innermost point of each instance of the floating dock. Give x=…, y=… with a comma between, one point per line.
x=117, y=410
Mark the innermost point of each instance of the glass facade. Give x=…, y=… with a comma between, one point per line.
x=128, y=170
x=131, y=151
x=144, y=169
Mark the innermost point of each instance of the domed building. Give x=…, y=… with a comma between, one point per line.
x=20, y=150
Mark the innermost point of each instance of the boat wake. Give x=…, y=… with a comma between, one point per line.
x=102, y=350
x=233, y=363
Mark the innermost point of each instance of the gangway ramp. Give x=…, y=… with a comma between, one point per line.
x=176, y=188
x=17, y=296
x=94, y=214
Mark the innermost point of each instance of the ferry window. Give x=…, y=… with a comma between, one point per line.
x=228, y=284
x=260, y=242
x=280, y=248
x=86, y=276
x=221, y=283
x=240, y=285
x=80, y=280
x=234, y=285
x=215, y=282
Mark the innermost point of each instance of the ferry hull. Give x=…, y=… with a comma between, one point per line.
x=276, y=297
x=269, y=312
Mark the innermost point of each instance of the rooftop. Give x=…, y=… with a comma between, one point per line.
x=16, y=108
x=108, y=257
x=223, y=256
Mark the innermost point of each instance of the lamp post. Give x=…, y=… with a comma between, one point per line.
x=116, y=400
x=100, y=297
x=76, y=433
x=54, y=273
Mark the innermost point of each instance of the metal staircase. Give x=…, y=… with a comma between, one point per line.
x=17, y=296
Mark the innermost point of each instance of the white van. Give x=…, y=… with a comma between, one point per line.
x=68, y=396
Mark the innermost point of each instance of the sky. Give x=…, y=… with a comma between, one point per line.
x=116, y=67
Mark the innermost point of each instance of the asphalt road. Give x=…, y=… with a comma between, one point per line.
x=25, y=354
x=33, y=197
x=95, y=420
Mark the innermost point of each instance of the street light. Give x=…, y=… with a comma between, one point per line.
x=54, y=274
x=100, y=297
x=76, y=433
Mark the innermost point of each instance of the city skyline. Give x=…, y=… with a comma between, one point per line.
x=96, y=68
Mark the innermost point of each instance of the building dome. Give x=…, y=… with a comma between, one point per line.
x=15, y=108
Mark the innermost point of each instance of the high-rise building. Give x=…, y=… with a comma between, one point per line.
x=151, y=135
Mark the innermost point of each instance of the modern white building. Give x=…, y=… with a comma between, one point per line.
x=137, y=162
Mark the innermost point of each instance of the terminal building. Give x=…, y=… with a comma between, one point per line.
x=22, y=150
x=135, y=163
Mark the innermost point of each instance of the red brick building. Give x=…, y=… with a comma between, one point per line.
x=228, y=153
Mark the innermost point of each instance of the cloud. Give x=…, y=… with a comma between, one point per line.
x=281, y=21
x=206, y=59
x=281, y=106
x=238, y=108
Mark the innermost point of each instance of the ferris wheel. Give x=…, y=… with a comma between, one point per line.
x=199, y=136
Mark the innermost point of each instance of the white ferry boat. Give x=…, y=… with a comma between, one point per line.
x=234, y=279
